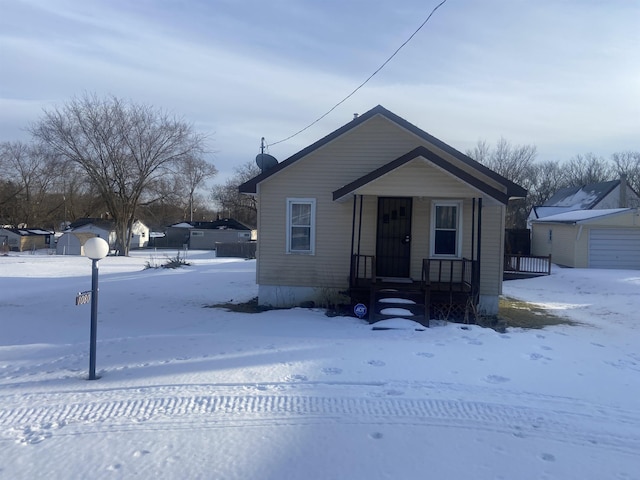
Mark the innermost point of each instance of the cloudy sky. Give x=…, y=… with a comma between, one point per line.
x=563, y=75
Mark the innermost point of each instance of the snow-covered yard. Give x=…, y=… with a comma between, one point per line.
x=193, y=392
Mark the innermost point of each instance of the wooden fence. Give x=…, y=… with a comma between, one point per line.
x=527, y=264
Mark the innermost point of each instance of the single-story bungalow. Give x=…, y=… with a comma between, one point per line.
x=105, y=229
x=200, y=235
x=24, y=239
x=380, y=201
x=605, y=238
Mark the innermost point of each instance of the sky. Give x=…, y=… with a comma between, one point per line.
x=192, y=392
x=563, y=75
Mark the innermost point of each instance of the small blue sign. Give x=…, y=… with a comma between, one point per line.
x=360, y=310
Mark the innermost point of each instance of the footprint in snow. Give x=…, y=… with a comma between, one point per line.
x=547, y=457
x=376, y=363
x=597, y=344
x=394, y=393
x=332, y=371
x=496, y=379
x=297, y=378
x=535, y=356
x=425, y=354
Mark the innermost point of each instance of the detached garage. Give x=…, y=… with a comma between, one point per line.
x=608, y=238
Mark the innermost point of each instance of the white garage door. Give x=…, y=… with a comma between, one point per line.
x=614, y=248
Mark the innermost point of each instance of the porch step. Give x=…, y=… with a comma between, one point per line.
x=406, y=301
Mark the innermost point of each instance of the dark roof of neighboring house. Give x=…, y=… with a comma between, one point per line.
x=103, y=223
x=582, y=197
x=98, y=222
x=25, y=232
x=222, y=224
x=513, y=190
x=583, y=216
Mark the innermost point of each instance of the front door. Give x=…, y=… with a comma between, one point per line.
x=393, y=242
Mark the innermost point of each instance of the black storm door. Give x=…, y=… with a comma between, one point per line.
x=393, y=242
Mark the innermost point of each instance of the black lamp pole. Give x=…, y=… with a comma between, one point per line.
x=94, y=320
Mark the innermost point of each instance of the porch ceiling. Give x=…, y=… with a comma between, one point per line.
x=420, y=173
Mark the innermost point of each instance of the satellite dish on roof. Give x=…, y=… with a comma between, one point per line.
x=264, y=160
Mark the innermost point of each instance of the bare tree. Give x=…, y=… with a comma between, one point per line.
x=122, y=146
x=586, y=169
x=514, y=162
x=546, y=180
x=628, y=163
x=243, y=208
x=32, y=173
x=192, y=173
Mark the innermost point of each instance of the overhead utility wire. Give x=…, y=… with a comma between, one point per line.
x=366, y=81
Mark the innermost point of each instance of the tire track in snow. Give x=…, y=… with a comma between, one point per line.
x=36, y=423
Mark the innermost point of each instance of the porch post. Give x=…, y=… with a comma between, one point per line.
x=479, y=241
x=353, y=236
x=360, y=226
x=473, y=227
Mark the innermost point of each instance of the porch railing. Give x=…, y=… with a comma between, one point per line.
x=441, y=274
x=363, y=267
x=450, y=274
x=527, y=264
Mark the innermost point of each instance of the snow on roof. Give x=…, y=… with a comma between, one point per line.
x=582, y=197
x=581, y=215
x=182, y=225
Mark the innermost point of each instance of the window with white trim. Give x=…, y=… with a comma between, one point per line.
x=446, y=228
x=301, y=225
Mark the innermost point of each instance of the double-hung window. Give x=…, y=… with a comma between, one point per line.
x=301, y=225
x=446, y=228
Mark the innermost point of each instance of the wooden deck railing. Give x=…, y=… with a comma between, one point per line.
x=527, y=264
x=363, y=267
x=450, y=274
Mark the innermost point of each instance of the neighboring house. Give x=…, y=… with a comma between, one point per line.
x=595, y=196
x=606, y=238
x=72, y=243
x=105, y=229
x=379, y=200
x=205, y=235
x=24, y=239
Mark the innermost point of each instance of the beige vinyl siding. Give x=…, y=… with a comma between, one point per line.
x=349, y=157
x=418, y=177
x=562, y=244
x=491, y=264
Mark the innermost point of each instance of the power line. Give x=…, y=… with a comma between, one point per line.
x=366, y=81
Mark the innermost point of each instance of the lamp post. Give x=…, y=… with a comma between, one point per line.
x=96, y=249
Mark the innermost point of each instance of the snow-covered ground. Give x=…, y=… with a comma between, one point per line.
x=193, y=392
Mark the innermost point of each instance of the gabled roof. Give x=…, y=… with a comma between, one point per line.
x=433, y=158
x=97, y=222
x=582, y=197
x=513, y=190
x=221, y=224
x=105, y=224
x=583, y=216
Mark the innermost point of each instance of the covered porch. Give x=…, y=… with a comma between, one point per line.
x=421, y=263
